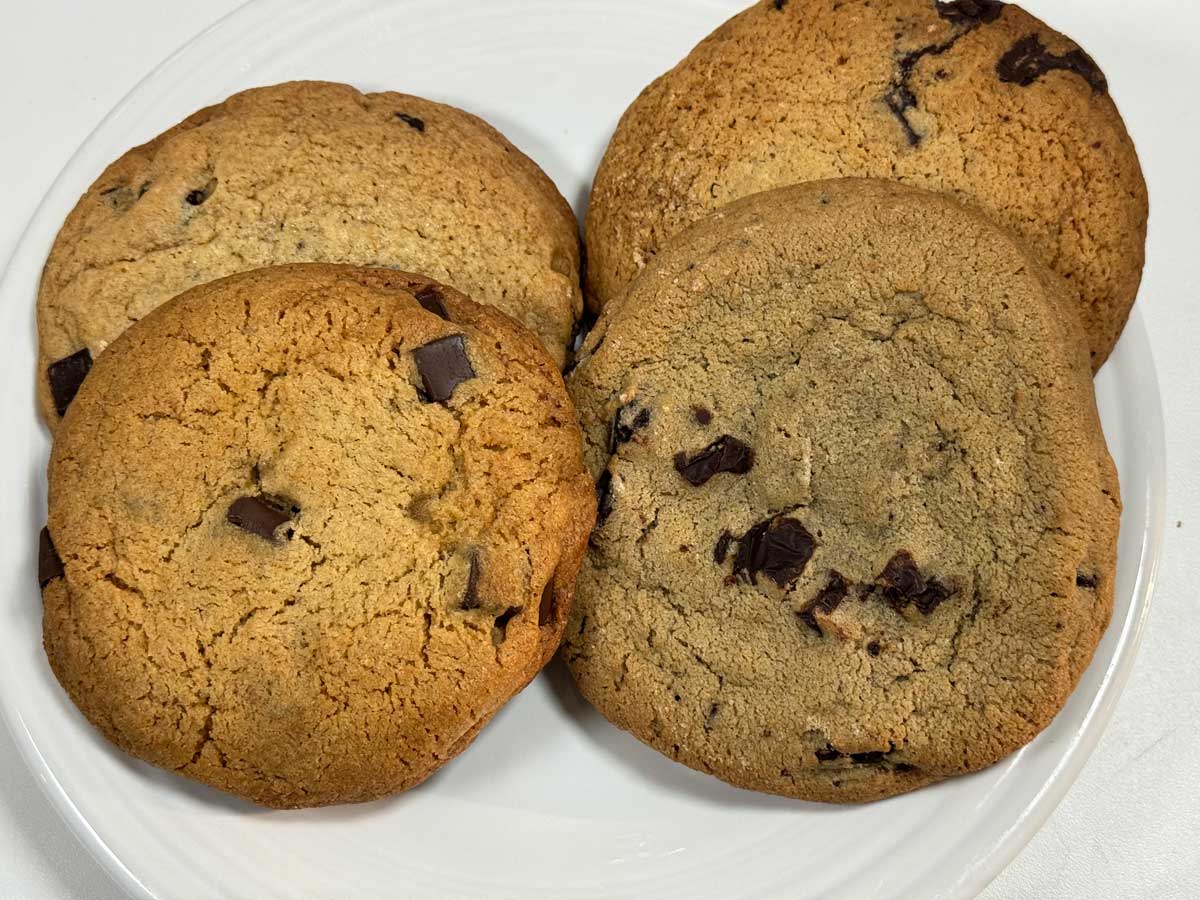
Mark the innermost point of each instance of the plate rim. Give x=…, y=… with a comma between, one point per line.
x=1001, y=850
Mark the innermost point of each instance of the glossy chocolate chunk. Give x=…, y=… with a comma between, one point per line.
x=778, y=548
x=199, y=195
x=826, y=601
x=66, y=376
x=1029, y=60
x=443, y=366
x=431, y=299
x=967, y=12
x=904, y=585
x=412, y=121
x=49, y=564
x=257, y=516
x=725, y=454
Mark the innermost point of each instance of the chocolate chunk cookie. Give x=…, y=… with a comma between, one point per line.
x=864, y=535
x=296, y=552
x=307, y=172
x=973, y=97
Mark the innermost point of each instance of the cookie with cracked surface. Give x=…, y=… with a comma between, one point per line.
x=858, y=516
x=307, y=172
x=973, y=97
x=309, y=528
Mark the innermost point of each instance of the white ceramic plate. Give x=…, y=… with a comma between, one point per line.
x=551, y=801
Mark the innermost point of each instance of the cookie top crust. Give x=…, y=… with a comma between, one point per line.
x=313, y=525
x=308, y=172
x=975, y=98
x=857, y=519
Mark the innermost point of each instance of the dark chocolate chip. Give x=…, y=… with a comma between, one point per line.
x=722, y=548
x=779, y=548
x=871, y=757
x=199, y=195
x=604, y=498
x=825, y=602
x=779, y=4
x=873, y=648
x=904, y=585
x=431, y=299
x=1028, y=60
x=500, y=626
x=257, y=516
x=443, y=366
x=725, y=454
x=702, y=415
x=1084, y=580
x=624, y=425
x=66, y=376
x=470, y=599
x=412, y=121
x=49, y=564
x=828, y=754
x=905, y=767
x=967, y=12
x=548, y=608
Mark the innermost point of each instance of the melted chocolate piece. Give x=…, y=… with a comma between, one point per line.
x=604, y=498
x=967, y=12
x=198, y=196
x=443, y=366
x=904, y=585
x=412, y=121
x=49, y=564
x=621, y=431
x=826, y=601
x=257, y=516
x=66, y=376
x=871, y=757
x=722, y=548
x=548, y=608
x=779, y=548
x=828, y=754
x=470, y=599
x=1085, y=581
x=430, y=299
x=725, y=454
x=1029, y=60
x=702, y=416
x=779, y=4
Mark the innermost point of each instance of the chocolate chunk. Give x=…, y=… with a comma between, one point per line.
x=904, y=585
x=825, y=602
x=722, y=548
x=548, y=608
x=258, y=516
x=49, y=564
x=412, y=121
x=604, y=498
x=828, y=754
x=779, y=4
x=443, y=366
x=198, y=196
x=725, y=454
x=66, y=376
x=701, y=415
x=1084, y=580
x=905, y=767
x=623, y=426
x=1029, y=60
x=470, y=599
x=873, y=648
x=871, y=757
x=500, y=625
x=431, y=299
x=779, y=548
x=967, y=12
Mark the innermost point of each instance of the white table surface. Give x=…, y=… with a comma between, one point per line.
x=1130, y=826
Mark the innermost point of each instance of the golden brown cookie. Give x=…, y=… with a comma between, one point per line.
x=307, y=172
x=309, y=528
x=857, y=526
x=973, y=97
